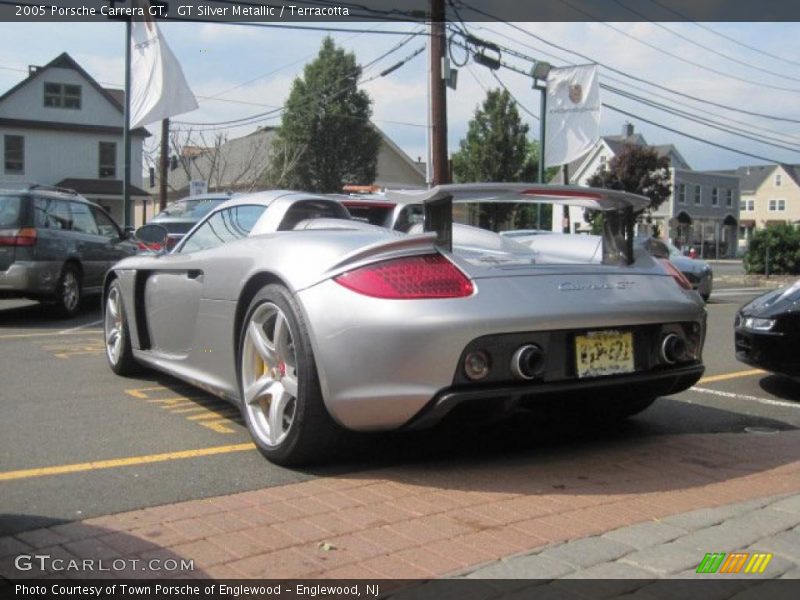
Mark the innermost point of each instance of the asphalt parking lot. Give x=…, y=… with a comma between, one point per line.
x=78, y=441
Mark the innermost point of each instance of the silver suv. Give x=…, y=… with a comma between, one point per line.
x=56, y=246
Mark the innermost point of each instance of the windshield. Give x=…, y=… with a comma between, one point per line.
x=673, y=251
x=9, y=211
x=191, y=208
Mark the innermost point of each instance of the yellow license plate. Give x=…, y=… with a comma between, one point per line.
x=600, y=353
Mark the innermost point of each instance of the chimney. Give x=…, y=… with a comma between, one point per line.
x=627, y=130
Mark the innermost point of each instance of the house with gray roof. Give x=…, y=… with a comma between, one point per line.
x=239, y=164
x=60, y=127
x=702, y=212
x=770, y=194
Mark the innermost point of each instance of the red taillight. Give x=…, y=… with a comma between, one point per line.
x=144, y=247
x=679, y=277
x=26, y=236
x=412, y=277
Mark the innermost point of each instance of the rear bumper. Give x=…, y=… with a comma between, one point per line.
x=644, y=384
x=29, y=279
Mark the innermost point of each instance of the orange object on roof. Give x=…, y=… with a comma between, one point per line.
x=361, y=189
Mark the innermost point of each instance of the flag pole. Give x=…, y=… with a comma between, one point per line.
x=126, y=133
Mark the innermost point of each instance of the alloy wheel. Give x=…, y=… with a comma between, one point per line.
x=269, y=374
x=113, y=326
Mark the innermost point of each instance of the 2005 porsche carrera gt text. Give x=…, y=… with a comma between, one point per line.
x=314, y=322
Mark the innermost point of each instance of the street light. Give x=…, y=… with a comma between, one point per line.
x=540, y=72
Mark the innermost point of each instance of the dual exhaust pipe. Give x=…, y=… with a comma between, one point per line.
x=528, y=361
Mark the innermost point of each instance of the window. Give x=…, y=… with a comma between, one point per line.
x=224, y=226
x=14, y=153
x=108, y=160
x=82, y=219
x=52, y=214
x=778, y=181
x=698, y=194
x=751, y=205
x=777, y=205
x=715, y=196
x=9, y=211
x=682, y=193
x=105, y=224
x=62, y=95
x=729, y=198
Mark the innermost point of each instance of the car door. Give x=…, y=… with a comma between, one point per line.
x=116, y=246
x=91, y=245
x=173, y=292
x=56, y=242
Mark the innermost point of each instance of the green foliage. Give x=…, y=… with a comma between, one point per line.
x=496, y=148
x=783, y=241
x=636, y=169
x=326, y=123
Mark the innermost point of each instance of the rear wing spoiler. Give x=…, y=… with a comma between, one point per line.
x=619, y=208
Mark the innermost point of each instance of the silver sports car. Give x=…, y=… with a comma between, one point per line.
x=315, y=322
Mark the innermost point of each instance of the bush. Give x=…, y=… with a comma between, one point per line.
x=783, y=241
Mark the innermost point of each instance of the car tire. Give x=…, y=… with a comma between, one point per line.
x=705, y=297
x=281, y=398
x=69, y=291
x=116, y=334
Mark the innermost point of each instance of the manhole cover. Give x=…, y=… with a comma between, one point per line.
x=761, y=430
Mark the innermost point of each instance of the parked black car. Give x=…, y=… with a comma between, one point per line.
x=56, y=246
x=768, y=331
x=180, y=216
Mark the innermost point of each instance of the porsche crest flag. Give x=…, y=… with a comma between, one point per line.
x=158, y=87
x=573, y=113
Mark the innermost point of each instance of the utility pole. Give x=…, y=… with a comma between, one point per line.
x=438, y=51
x=163, y=165
x=127, y=209
x=565, y=209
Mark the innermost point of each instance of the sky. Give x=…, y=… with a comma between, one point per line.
x=238, y=71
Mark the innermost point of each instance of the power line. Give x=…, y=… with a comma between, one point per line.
x=788, y=138
x=662, y=126
x=273, y=114
x=703, y=46
x=628, y=75
x=692, y=137
x=723, y=36
x=686, y=60
x=279, y=109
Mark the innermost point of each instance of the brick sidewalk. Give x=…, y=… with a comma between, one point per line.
x=420, y=521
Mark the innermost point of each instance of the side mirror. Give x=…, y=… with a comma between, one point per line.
x=128, y=232
x=152, y=237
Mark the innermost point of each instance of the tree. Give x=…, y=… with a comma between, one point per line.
x=326, y=126
x=636, y=169
x=781, y=243
x=496, y=148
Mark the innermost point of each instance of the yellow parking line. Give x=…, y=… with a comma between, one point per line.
x=734, y=375
x=124, y=462
x=50, y=334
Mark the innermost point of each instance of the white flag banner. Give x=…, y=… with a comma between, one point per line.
x=158, y=87
x=573, y=113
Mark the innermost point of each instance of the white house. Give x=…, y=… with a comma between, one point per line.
x=60, y=127
x=701, y=212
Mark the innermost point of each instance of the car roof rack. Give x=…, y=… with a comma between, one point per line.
x=52, y=188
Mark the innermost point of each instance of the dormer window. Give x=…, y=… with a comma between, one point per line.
x=62, y=95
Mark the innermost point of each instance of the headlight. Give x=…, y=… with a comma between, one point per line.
x=757, y=324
